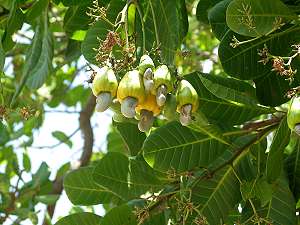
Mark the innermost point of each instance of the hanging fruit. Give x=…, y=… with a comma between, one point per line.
x=293, y=116
x=187, y=101
x=147, y=110
x=130, y=93
x=162, y=84
x=146, y=68
x=104, y=87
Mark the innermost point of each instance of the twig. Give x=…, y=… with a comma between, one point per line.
x=59, y=143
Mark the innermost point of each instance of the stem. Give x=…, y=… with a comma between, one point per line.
x=155, y=24
x=126, y=24
x=254, y=211
x=142, y=23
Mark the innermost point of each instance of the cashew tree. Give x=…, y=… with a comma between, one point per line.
x=203, y=98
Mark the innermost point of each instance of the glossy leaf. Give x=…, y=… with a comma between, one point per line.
x=174, y=147
x=203, y=9
x=131, y=135
x=120, y=216
x=253, y=18
x=225, y=111
x=169, y=30
x=82, y=190
x=243, y=63
x=219, y=194
x=275, y=157
x=217, y=18
x=124, y=177
x=84, y=218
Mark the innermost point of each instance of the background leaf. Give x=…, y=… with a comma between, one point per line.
x=62, y=137
x=253, y=18
x=84, y=218
x=82, y=190
x=126, y=178
x=275, y=156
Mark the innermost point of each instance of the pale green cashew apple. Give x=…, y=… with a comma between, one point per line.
x=293, y=116
x=146, y=68
x=162, y=84
x=187, y=102
x=104, y=87
x=130, y=93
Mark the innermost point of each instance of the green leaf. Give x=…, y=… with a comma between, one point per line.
x=82, y=190
x=47, y=199
x=281, y=209
x=253, y=18
x=2, y=57
x=126, y=178
x=99, y=31
x=243, y=63
x=168, y=15
x=219, y=194
x=84, y=218
x=259, y=189
x=39, y=61
x=35, y=11
x=131, y=135
x=115, y=142
x=41, y=176
x=230, y=89
x=62, y=137
x=4, y=134
x=292, y=163
x=275, y=156
x=217, y=18
x=203, y=9
x=174, y=147
x=14, y=23
x=76, y=19
x=222, y=110
x=26, y=162
x=120, y=215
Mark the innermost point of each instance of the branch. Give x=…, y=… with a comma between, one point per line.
x=59, y=143
x=88, y=137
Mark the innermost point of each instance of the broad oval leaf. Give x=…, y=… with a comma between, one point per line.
x=84, y=218
x=203, y=9
x=257, y=18
x=120, y=215
x=125, y=177
x=221, y=110
x=243, y=62
x=131, y=135
x=217, y=19
x=82, y=190
x=174, y=147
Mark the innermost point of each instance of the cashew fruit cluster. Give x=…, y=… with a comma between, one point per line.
x=293, y=116
x=144, y=92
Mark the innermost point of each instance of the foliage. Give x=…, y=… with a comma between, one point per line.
x=237, y=162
